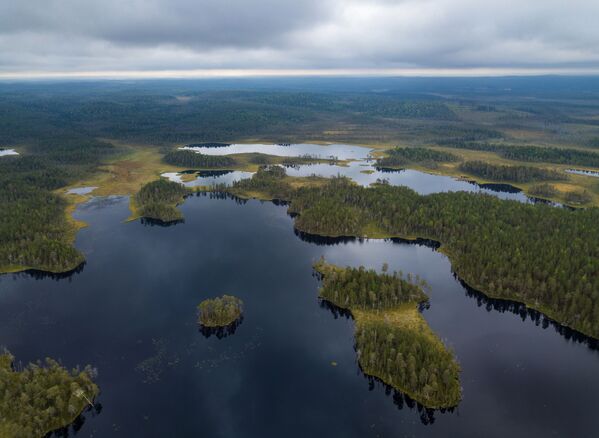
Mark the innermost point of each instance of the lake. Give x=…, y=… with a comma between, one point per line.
x=360, y=169
x=131, y=312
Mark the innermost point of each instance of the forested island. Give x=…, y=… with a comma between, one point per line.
x=220, y=311
x=159, y=199
x=40, y=398
x=393, y=341
x=399, y=157
x=542, y=256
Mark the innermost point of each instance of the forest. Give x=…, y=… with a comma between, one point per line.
x=360, y=288
x=159, y=199
x=34, y=229
x=40, y=398
x=194, y=160
x=393, y=341
x=519, y=174
x=220, y=311
x=535, y=154
x=543, y=256
x=399, y=157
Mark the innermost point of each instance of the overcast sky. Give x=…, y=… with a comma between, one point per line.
x=240, y=36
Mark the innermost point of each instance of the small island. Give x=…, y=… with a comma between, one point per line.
x=158, y=201
x=220, y=312
x=393, y=341
x=42, y=398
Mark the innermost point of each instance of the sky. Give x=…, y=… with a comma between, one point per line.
x=157, y=38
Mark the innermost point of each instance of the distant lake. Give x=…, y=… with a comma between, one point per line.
x=339, y=151
x=131, y=312
x=6, y=152
x=361, y=169
x=583, y=172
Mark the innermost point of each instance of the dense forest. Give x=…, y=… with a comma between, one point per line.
x=34, y=229
x=410, y=360
x=194, y=160
x=360, y=288
x=398, y=157
x=519, y=174
x=159, y=199
x=220, y=311
x=41, y=398
x=393, y=341
x=535, y=154
x=543, y=256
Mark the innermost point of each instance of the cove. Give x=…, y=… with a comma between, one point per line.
x=131, y=312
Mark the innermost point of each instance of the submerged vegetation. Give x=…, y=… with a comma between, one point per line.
x=543, y=256
x=42, y=398
x=159, y=199
x=220, y=311
x=520, y=174
x=393, y=341
x=399, y=157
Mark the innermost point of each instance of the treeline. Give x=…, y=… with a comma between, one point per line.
x=194, y=160
x=403, y=156
x=543, y=256
x=535, y=154
x=42, y=398
x=521, y=174
x=34, y=230
x=393, y=341
x=360, y=288
x=220, y=311
x=159, y=199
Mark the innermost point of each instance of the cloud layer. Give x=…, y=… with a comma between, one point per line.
x=152, y=35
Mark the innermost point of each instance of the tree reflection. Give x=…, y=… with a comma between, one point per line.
x=75, y=427
x=538, y=318
x=221, y=332
x=401, y=400
x=43, y=275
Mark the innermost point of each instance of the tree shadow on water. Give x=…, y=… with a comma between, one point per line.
x=221, y=332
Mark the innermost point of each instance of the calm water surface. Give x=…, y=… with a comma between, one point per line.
x=339, y=151
x=131, y=312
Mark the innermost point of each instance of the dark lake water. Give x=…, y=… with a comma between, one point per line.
x=131, y=312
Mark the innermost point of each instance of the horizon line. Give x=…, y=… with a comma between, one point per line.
x=337, y=72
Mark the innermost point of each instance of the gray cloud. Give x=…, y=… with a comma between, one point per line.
x=112, y=35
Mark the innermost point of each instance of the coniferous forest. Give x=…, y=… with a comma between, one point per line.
x=393, y=342
x=519, y=174
x=158, y=200
x=543, y=256
x=42, y=398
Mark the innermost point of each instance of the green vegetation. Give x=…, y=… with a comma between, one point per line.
x=393, y=341
x=34, y=230
x=531, y=153
x=543, y=256
x=220, y=311
x=543, y=190
x=159, y=199
x=359, y=288
x=39, y=399
x=578, y=197
x=194, y=160
x=518, y=174
x=399, y=157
